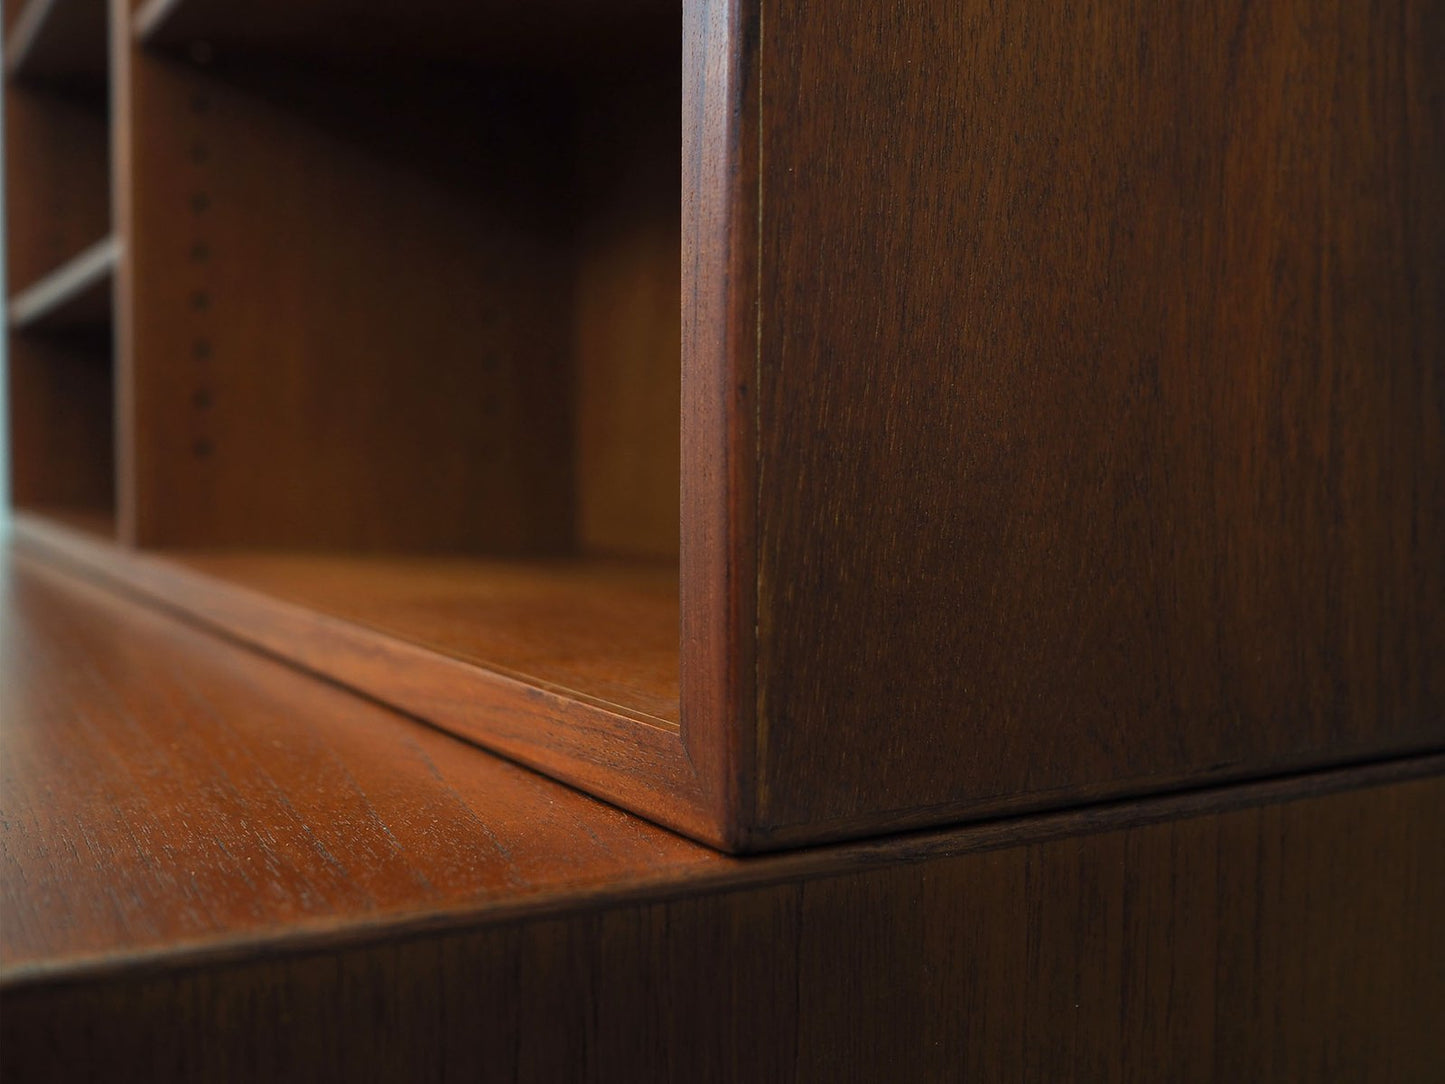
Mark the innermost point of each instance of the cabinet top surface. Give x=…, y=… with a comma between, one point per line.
x=165, y=791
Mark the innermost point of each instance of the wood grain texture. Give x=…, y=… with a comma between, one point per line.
x=214, y=867
x=164, y=790
x=632, y=758
x=1101, y=402
x=718, y=543
x=605, y=630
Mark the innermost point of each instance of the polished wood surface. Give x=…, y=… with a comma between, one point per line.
x=165, y=790
x=62, y=417
x=633, y=758
x=980, y=512
x=605, y=630
x=1099, y=399
x=215, y=867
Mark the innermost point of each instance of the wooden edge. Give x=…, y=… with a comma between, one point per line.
x=911, y=819
x=23, y=35
x=149, y=22
x=90, y=268
x=719, y=360
x=30, y=28
x=621, y=757
x=720, y=873
x=122, y=134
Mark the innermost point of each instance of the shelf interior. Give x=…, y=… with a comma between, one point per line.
x=77, y=296
x=60, y=262
x=559, y=34
x=60, y=42
x=602, y=629
x=406, y=331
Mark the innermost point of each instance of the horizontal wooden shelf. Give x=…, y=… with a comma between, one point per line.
x=59, y=41
x=570, y=30
x=75, y=296
x=603, y=630
x=85, y=521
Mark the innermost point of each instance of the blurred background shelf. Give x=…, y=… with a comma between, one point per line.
x=75, y=297
x=62, y=42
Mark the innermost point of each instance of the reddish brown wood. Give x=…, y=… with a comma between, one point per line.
x=605, y=630
x=720, y=314
x=216, y=867
x=635, y=759
x=1060, y=398
x=1100, y=407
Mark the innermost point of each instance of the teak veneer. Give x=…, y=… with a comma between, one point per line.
x=1031, y=406
x=216, y=867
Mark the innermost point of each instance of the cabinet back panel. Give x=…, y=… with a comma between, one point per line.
x=57, y=168
x=362, y=305
x=335, y=345
x=1102, y=410
x=62, y=408
x=628, y=314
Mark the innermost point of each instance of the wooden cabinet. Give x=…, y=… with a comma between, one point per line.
x=862, y=417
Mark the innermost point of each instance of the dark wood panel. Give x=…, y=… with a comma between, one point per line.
x=349, y=310
x=1102, y=399
x=76, y=296
x=577, y=735
x=57, y=187
x=560, y=34
x=59, y=42
x=61, y=412
x=628, y=308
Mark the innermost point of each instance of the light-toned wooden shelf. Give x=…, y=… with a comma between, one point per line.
x=59, y=41
x=606, y=631
x=76, y=295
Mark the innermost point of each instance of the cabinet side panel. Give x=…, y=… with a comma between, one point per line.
x=1102, y=400
x=1279, y=943
x=720, y=304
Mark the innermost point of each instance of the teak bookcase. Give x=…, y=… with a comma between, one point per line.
x=887, y=415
